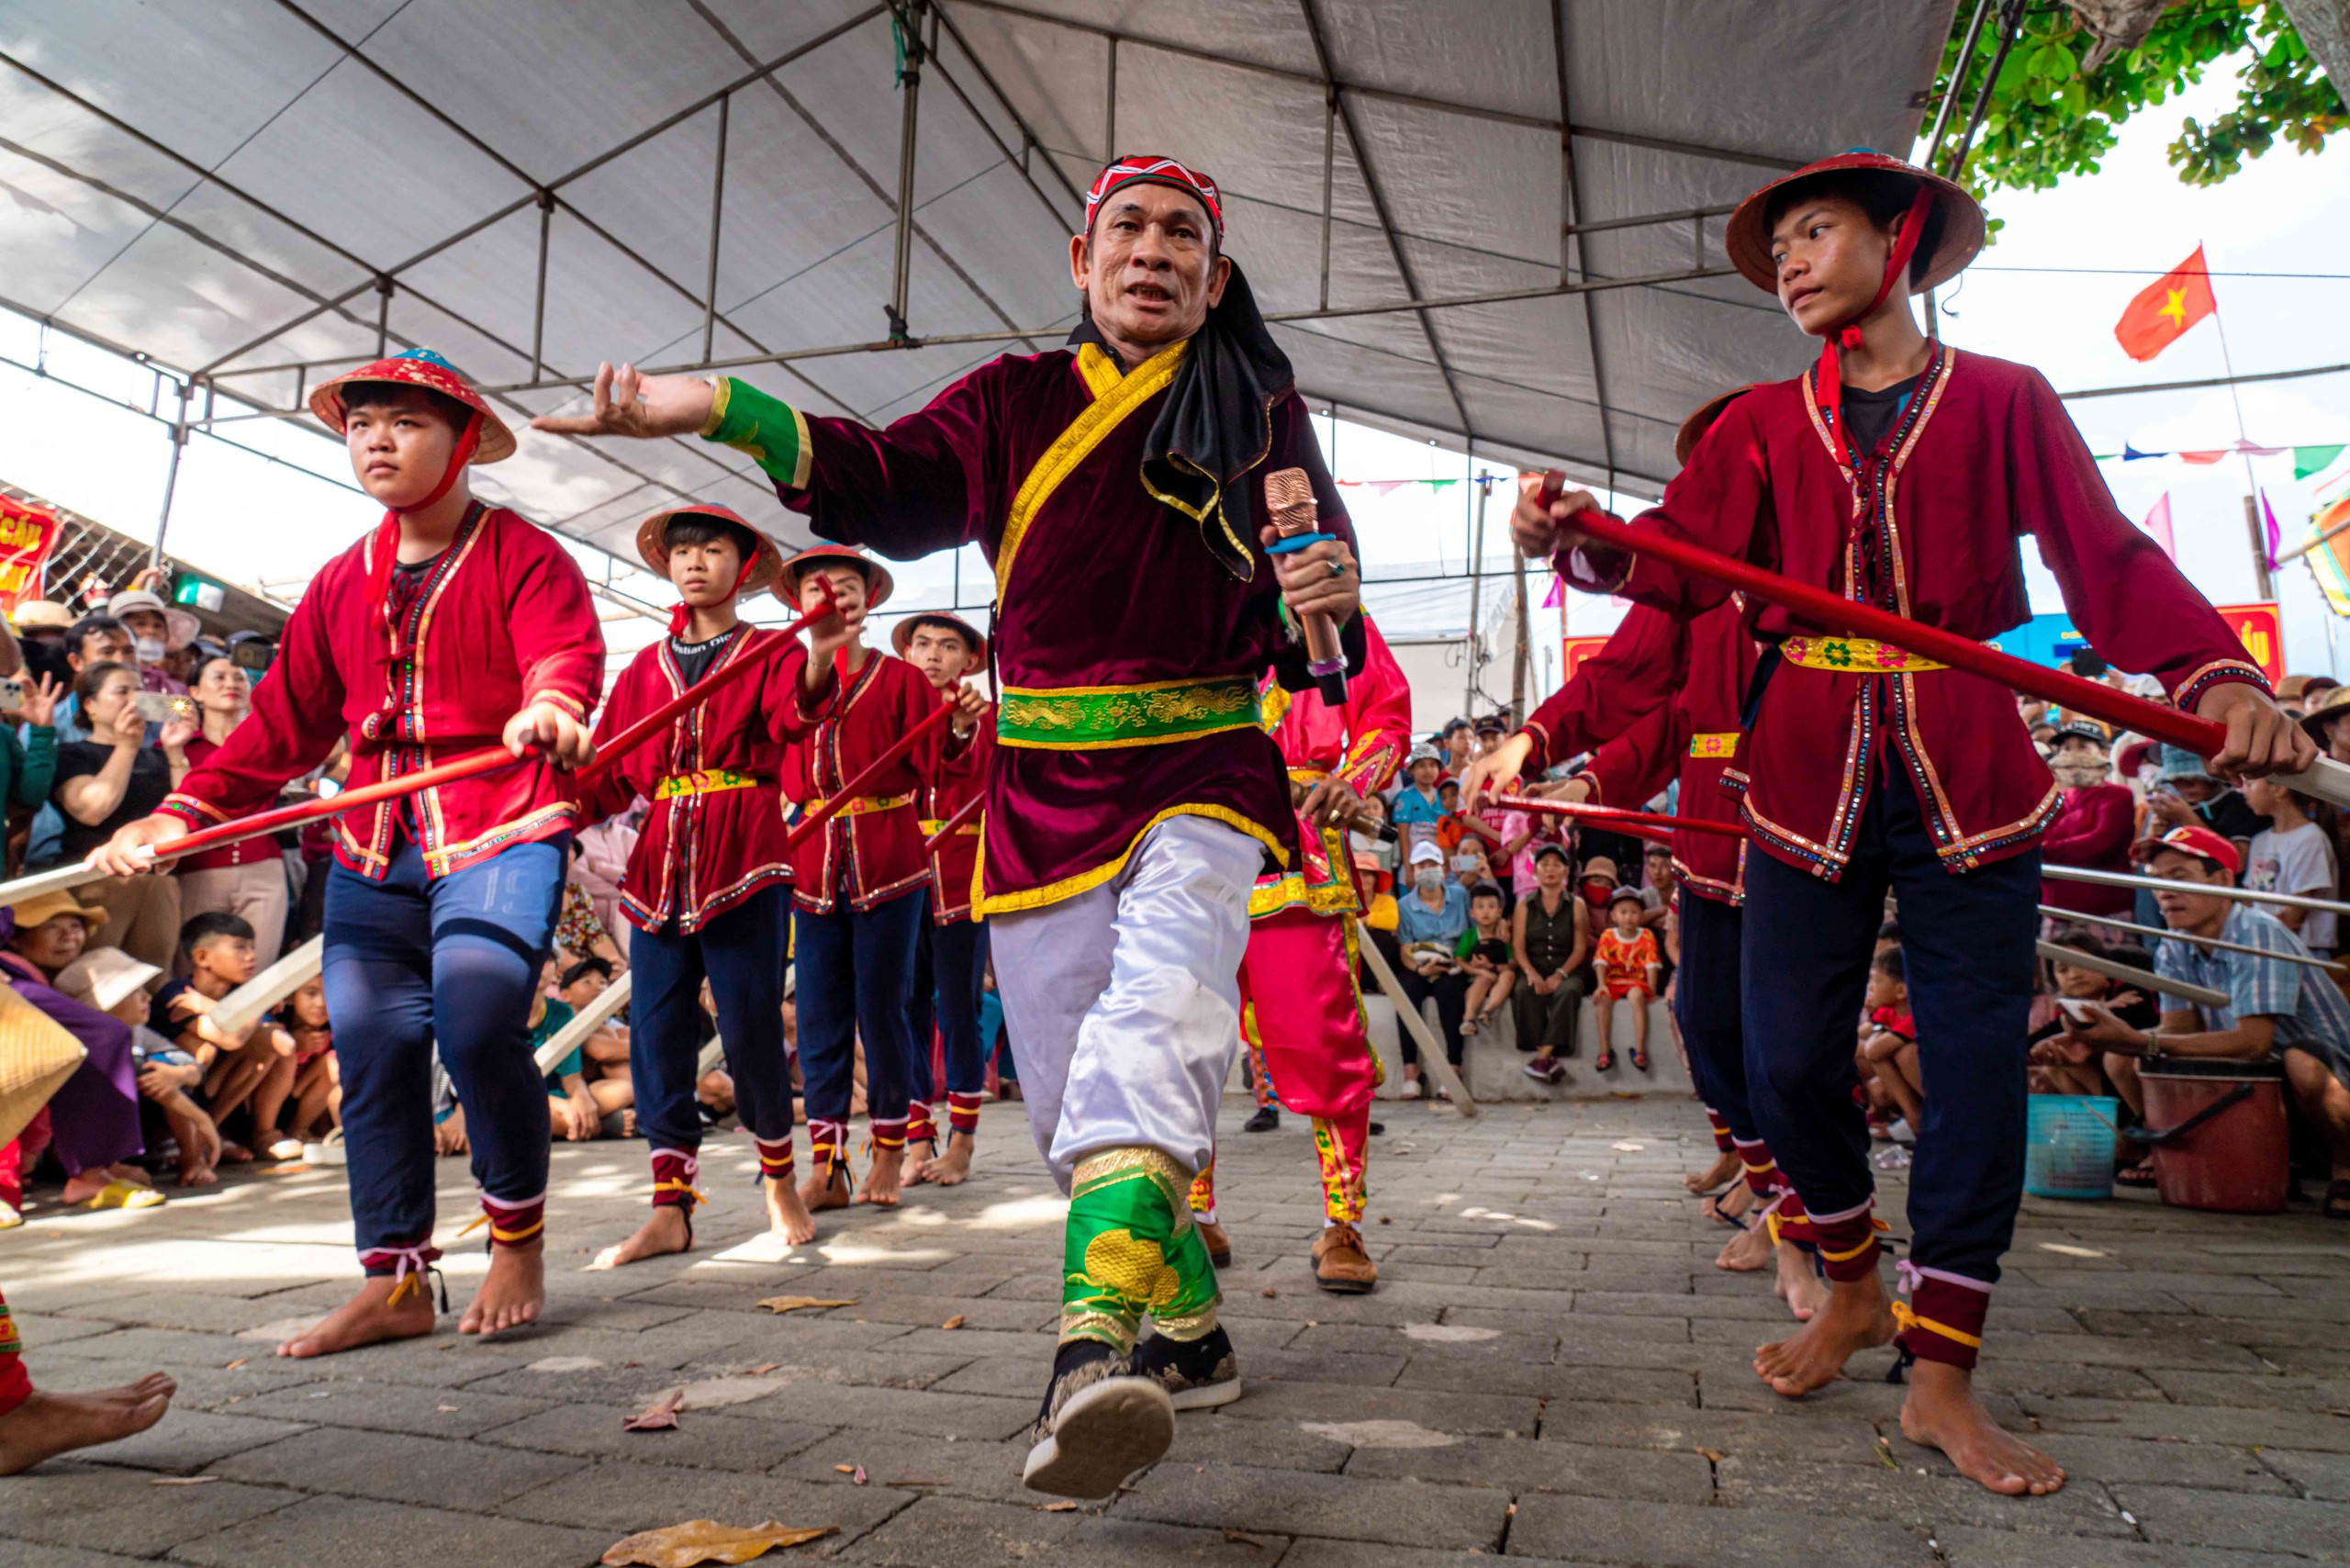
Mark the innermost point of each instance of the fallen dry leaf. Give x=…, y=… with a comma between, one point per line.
x=782, y=1304
x=706, y=1540
x=1242, y=1538
x=1387, y=1219
x=845, y=1469
x=658, y=1416
x=761, y=1368
x=1715, y=1454
x=232, y=1366
x=857, y=1475
x=1270, y=1292
x=182, y=1479
x=954, y=1322
x=1061, y=1507
x=287, y=1169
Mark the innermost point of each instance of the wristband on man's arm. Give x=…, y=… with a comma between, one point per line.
x=768, y=430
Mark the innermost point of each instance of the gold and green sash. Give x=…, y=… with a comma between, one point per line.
x=1095, y=718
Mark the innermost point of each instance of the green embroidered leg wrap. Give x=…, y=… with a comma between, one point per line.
x=771, y=432
x=1132, y=1250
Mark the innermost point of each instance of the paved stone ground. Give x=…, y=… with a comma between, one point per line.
x=1552, y=1369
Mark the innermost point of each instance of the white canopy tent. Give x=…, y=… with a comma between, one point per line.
x=1493, y=223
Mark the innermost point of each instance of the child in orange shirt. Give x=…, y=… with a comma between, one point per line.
x=1628, y=966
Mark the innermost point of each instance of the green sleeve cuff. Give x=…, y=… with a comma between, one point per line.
x=771, y=432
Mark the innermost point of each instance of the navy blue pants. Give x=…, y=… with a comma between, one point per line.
x=1708, y=1001
x=857, y=978
x=412, y=965
x=1967, y=948
x=950, y=973
x=741, y=953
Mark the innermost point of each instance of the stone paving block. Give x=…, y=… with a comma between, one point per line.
x=186, y=1441
x=102, y=1509
x=1004, y=1376
x=2062, y=1379
x=708, y=1440
x=1518, y=1466
x=2322, y=1475
x=393, y=1407
x=366, y=1534
x=1357, y=1554
x=916, y=1462
x=169, y=1348
x=1323, y=1366
x=1785, y=1437
x=38, y=1331
x=1669, y=1535
x=1920, y=1497
x=1629, y=1385
x=1460, y=1413
x=1404, y=1513
x=1208, y=1438
x=1967, y=1548
x=2255, y=1392
x=2191, y=1423
x=624, y=1498
x=985, y=1535
x=393, y=1467
x=2117, y=1460
x=2188, y=1516
x=930, y=1311
x=969, y=1342
x=29, y=1554
x=964, y=1416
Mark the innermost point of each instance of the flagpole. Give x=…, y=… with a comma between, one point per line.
x=2262, y=579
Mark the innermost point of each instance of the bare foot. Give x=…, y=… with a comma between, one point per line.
x=367, y=1317
x=513, y=1291
x=953, y=1168
x=825, y=1190
x=1731, y=1203
x=122, y=1170
x=787, y=1216
x=664, y=1231
x=47, y=1425
x=1799, y=1285
x=235, y=1153
x=1855, y=1318
x=198, y=1176
x=917, y=1166
x=1746, y=1251
x=82, y=1188
x=628, y=1121
x=881, y=1177
x=1941, y=1412
x=1721, y=1171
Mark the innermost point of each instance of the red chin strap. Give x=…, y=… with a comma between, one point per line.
x=385, y=553
x=1829, y=390
x=680, y=613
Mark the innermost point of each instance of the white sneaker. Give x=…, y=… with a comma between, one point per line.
x=1901, y=1132
x=1411, y=1090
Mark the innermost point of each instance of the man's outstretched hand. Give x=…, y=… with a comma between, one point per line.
x=2262, y=738
x=128, y=853
x=1537, y=530
x=629, y=403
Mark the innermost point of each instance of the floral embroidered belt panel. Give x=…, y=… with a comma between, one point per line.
x=708, y=781
x=862, y=804
x=1092, y=718
x=1852, y=656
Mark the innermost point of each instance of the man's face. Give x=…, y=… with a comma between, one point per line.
x=705, y=573
x=2183, y=907
x=54, y=943
x=400, y=447
x=940, y=654
x=1830, y=258
x=111, y=647
x=1150, y=273
x=848, y=590
x=1660, y=865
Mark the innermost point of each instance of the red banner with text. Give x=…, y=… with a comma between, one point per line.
x=28, y=533
x=2262, y=633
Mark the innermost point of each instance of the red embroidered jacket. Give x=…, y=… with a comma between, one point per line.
x=1928, y=527
x=961, y=776
x=1364, y=744
x=1661, y=700
x=715, y=833
x=873, y=848
x=501, y=621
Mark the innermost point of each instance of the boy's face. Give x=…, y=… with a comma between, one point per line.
x=1883, y=990
x=705, y=573
x=229, y=957
x=1449, y=796
x=586, y=989
x=310, y=1005
x=54, y=943
x=1830, y=258
x=1423, y=771
x=848, y=590
x=1624, y=916
x=940, y=654
x=399, y=447
x=148, y=625
x=1485, y=909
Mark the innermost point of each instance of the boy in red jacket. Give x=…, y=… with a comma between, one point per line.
x=1902, y=474
x=453, y=627
x=709, y=885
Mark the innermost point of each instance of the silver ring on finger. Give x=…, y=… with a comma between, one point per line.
x=1337, y=568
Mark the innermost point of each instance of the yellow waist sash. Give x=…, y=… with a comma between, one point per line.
x=1854, y=656
x=931, y=827
x=1722, y=744
x=709, y=781
x=862, y=804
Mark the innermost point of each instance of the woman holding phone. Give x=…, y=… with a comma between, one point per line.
x=113, y=778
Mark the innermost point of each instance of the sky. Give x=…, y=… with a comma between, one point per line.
x=237, y=515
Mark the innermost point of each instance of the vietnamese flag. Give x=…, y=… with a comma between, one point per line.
x=2161, y=312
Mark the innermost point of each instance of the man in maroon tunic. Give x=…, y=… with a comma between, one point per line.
x=1118, y=486
x=1901, y=473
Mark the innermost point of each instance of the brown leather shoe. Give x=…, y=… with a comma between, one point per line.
x=1219, y=1245
x=1340, y=1265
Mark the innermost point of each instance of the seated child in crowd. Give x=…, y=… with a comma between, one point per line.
x=1484, y=951
x=1888, y=1055
x=2063, y=1065
x=571, y=1109
x=115, y=983
x=1629, y=967
x=604, y=1054
x=250, y=1063
x=317, y=1081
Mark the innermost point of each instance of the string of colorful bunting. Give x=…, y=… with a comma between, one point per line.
x=2307, y=460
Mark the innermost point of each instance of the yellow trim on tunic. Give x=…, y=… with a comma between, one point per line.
x=1854, y=656
x=863, y=804
x=1721, y=744
x=1101, y=372
x=1075, y=445
x=1069, y=887
x=705, y=781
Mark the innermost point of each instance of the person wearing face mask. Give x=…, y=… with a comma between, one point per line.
x=157, y=631
x=1428, y=922
x=2095, y=826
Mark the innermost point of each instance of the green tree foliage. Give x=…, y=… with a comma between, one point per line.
x=2047, y=118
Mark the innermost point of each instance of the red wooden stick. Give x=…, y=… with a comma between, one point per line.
x=2203, y=736
x=1617, y=816
x=946, y=829
x=849, y=791
x=473, y=764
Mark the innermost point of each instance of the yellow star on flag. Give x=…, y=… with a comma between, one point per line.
x=2173, y=304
